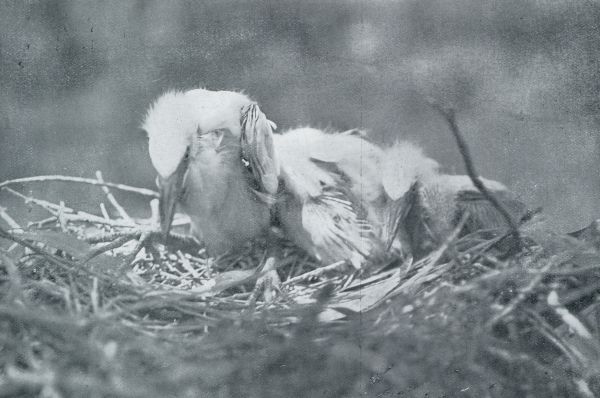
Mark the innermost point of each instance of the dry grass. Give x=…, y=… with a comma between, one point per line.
x=93, y=305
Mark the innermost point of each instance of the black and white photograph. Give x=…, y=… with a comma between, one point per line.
x=336, y=198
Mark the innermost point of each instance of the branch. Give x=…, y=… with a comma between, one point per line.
x=113, y=201
x=450, y=118
x=60, y=262
x=314, y=273
x=66, y=213
x=141, y=242
x=80, y=180
x=524, y=293
x=9, y=220
x=120, y=241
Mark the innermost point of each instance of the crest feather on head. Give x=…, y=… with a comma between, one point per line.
x=402, y=165
x=176, y=116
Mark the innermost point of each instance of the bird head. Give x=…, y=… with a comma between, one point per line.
x=199, y=128
x=402, y=165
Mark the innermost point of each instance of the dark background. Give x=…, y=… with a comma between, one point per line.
x=524, y=76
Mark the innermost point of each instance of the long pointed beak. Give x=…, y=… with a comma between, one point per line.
x=171, y=189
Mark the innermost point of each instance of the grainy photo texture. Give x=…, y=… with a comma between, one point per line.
x=299, y=199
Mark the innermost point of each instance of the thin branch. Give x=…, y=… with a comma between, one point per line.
x=41, y=223
x=525, y=292
x=61, y=217
x=113, y=201
x=120, y=241
x=139, y=245
x=104, y=211
x=90, y=218
x=67, y=213
x=575, y=357
x=314, y=273
x=111, y=236
x=9, y=220
x=80, y=180
x=50, y=207
x=450, y=117
x=428, y=268
x=48, y=256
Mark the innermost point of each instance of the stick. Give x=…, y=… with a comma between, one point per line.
x=67, y=212
x=144, y=236
x=524, y=293
x=39, y=224
x=314, y=273
x=9, y=220
x=50, y=257
x=44, y=204
x=80, y=180
x=120, y=241
x=450, y=118
x=104, y=211
x=113, y=201
x=110, y=236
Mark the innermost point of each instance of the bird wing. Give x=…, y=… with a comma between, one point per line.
x=336, y=229
x=305, y=152
x=433, y=208
x=482, y=214
x=459, y=192
x=319, y=175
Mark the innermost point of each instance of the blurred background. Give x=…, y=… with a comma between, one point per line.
x=523, y=75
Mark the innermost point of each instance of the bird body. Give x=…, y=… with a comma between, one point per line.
x=337, y=195
x=202, y=128
x=330, y=185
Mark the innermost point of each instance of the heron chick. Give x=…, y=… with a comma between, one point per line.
x=337, y=195
x=197, y=144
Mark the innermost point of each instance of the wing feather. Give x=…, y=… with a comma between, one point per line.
x=321, y=173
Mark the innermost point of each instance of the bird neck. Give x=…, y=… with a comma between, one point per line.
x=223, y=210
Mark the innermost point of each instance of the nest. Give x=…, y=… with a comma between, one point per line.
x=95, y=305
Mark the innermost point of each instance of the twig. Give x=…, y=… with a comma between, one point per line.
x=39, y=224
x=185, y=263
x=90, y=218
x=449, y=240
x=113, y=201
x=68, y=213
x=94, y=296
x=430, y=270
x=9, y=220
x=104, y=211
x=61, y=217
x=524, y=292
x=50, y=257
x=575, y=357
x=314, y=273
x=120, y=241
x=567, y=317
x=111, y=236
x=450, y=118
x=144, y=236
x=80, y=180
x=48, y=206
